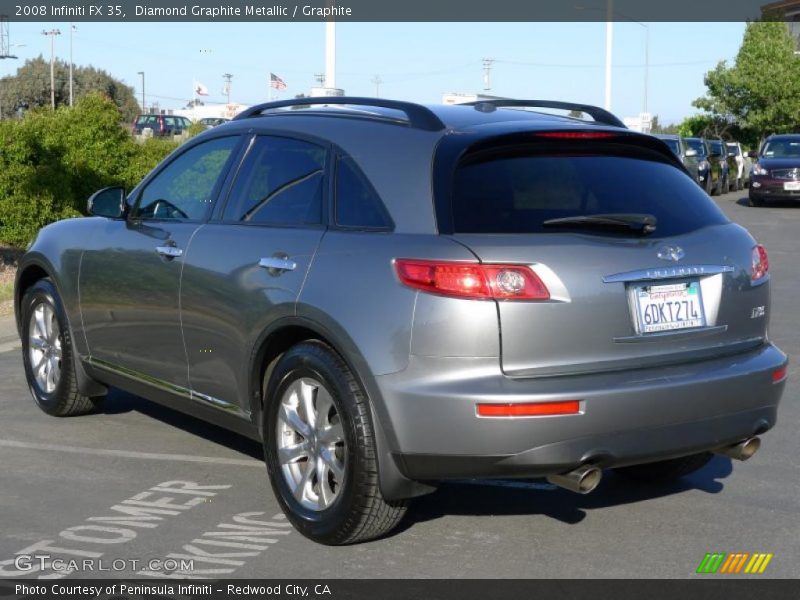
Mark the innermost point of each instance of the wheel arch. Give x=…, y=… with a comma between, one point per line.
x=34, y=268
x=283, y=334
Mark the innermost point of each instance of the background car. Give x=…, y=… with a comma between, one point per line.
x=776, y=170
x=728, y=167
x=688, y=156
x=392, y=297
x=161, y=125
x=210, y=122
x=743, y=161
x=709, y=171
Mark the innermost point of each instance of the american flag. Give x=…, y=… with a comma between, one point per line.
x=276, y=82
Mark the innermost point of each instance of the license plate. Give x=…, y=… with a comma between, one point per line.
x=792, y=186
x=669, y=307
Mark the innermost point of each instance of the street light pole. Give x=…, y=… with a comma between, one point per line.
x=144, y=105
x=609, y=47
x=52, y=35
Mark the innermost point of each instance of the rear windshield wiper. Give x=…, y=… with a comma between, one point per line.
x=641, y=223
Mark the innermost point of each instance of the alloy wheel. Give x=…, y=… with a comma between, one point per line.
x=45, y=347
x=311, y=444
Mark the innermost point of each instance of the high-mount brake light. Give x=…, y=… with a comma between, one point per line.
x=472, y=280
x=576, y=135
x=760, y=263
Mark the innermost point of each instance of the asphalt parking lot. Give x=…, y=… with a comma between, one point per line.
x=205, y=494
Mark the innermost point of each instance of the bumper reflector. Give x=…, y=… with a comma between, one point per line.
x=780, y=374
x=529, y=409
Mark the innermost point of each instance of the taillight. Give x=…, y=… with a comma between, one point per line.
x=760, y=263
x=780, y=374
x=472, y=280
x=576, y=135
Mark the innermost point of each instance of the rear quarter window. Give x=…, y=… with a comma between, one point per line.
x=518, y=192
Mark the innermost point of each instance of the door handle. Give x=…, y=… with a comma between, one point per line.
x=277, y=264
x=169, y=251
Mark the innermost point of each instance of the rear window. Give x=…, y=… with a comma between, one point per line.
x=518, y=193
x=733, y=148
x=673, y=145
x=698, y=145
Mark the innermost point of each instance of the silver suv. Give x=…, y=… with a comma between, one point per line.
x=391, y=295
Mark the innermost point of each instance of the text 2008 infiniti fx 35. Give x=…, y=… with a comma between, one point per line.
x=391, y=295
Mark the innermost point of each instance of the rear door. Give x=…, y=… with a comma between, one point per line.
x=245, y=270
x=619, y=297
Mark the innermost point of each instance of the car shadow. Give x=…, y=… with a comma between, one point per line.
x=118, y=402
x=468, y=497
x=537, y=497
x=771, y=204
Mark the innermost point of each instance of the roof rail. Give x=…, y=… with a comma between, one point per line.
x=598, y=114
x=419, y=117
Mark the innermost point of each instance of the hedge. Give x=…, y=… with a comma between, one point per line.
x=52, y=161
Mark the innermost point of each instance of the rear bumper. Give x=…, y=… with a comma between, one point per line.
x=627, y=417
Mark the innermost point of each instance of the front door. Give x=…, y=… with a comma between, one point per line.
x=130, y=271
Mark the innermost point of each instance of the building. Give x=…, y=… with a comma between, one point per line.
x=462, y=98
x=641, y=123
x=204, y=111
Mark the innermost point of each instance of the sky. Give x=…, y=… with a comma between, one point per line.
x=416, y=61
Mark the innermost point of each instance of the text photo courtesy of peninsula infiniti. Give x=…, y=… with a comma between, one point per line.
x=391, y=295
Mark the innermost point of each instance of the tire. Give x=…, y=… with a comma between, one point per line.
x=345, y=505
x=666, y=470
x=47, y=353
x=709, y=190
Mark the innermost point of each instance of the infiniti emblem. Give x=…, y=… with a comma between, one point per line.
x=673, y=253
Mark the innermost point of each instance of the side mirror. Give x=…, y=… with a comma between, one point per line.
x=108, y=202
x=690, y=153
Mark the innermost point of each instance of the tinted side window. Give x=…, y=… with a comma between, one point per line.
x=518, y=193
x=184, y=189
x=357, y=203
x=279, y=183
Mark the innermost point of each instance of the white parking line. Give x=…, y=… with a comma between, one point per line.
x=240, y=462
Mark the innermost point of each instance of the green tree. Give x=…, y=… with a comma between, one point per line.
x=760, y=93
x=52, y=161
x=30, y=87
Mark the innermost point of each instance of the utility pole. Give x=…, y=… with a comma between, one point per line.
x=71, y=29
x=52, y=35
x=144, y=104
x=5, y=47
x=487, y=74
x=377, y=81
x=227, y=88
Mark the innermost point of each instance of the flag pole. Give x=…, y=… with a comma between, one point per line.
x=269, y=87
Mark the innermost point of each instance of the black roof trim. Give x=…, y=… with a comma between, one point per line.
x=600, y=115
x=419, y=117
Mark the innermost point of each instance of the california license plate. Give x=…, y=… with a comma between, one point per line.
x=792, y=186
x=669, y=307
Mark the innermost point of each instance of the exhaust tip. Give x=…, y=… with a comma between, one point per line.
x=590, y=480
x=741, y=451
x=582, y=480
